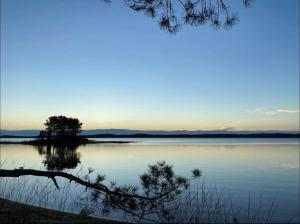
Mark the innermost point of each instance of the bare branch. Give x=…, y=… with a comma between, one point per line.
x=70, y=177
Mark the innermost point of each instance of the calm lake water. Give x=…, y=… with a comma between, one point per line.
x=241, y=167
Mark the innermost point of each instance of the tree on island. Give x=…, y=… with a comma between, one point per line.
x=61, y=127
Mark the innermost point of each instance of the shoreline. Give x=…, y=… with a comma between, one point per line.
x=142, y=135
x=16, y=212
x=91, y=142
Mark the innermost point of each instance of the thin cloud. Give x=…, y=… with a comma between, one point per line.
x=269, y=113
x=274, y=112
x=290, y=111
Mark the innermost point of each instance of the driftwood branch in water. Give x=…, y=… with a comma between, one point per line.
x=53, y=174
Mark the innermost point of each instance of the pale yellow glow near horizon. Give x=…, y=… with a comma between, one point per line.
x=18, y=124
x=170, y=120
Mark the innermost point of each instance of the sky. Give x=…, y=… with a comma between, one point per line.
x=111, y=67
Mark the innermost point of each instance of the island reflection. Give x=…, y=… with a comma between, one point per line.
x=59, y=157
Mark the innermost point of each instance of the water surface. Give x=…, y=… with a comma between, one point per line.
x=242, y=167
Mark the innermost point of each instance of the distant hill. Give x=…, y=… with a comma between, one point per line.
x=29, y=133
x=177, y=132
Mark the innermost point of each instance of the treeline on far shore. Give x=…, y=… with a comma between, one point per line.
x=141, y=135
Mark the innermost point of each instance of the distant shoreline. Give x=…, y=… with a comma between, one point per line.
x=89, y=142
x=259, y=135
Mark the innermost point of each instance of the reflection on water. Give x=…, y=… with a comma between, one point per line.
x=271, y=168
x=59, y=157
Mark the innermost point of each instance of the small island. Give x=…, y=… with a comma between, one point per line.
x=61, y=131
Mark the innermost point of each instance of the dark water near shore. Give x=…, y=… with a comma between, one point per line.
x=242, y=167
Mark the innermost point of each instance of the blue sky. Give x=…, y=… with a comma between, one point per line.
x=114, y=68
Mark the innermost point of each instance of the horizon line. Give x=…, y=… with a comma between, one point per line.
x=225, y=129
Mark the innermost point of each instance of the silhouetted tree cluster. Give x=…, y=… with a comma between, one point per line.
x=172, y=13
x=61, y=126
